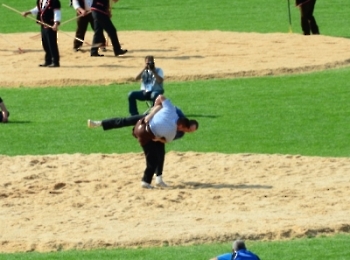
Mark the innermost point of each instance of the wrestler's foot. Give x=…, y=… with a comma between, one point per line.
x=93, y=124
x=146, y=185
x=160, y=182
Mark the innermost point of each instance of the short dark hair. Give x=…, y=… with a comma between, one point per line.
x=194, y=122
x=149, y=57
x=238, y=245
x=184, y=121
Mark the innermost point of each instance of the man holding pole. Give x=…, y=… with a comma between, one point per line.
x=83, y=9
x=48, y=16
x=101, y=12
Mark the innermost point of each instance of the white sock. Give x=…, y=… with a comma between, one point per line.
x=159, y=179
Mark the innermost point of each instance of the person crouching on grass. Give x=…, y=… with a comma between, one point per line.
x=4, y=112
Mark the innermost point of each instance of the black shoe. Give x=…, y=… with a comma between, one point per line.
x=96, y=55
x=77, y=49
x=120, y=52
x=44, y=65
x=53, y=65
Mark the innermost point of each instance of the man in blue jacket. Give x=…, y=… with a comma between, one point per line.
x=239, y=252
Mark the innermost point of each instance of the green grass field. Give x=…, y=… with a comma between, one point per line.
x=227, y=15
x=335, y=247
x=304, y=114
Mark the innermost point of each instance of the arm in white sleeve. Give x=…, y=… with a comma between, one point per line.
x=34, y=11
x=57, y=15
x=76, y=4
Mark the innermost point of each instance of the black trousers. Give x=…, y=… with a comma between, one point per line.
x=120, y=122
x=154, y=151
x=49, y=41
x=308, y=21
x=8, y=115
x=82, y=24
x=155, y=154
x=103, y=22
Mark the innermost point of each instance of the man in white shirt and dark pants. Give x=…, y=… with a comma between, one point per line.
x=48, y=12
x=83, y=9
x=158, y=127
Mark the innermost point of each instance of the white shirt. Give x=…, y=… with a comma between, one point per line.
x=88, y=4
x=149, y=81
x=57, y=12
x=164, y=122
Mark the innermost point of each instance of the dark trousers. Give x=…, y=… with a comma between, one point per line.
x=308, y=21
x=8, y=115
x=154, y=151
x=120, y=122
x=103, y=22
x=142, y=96
x=82, y=24
x=49, y=41
x=155, y=154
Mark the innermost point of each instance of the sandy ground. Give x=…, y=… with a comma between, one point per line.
x=182, y=55
x=57, y=202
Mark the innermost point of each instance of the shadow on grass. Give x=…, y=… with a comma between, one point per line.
x=196, y=115
x=18, y=122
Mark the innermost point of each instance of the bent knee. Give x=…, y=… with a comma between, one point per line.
x=131, y=95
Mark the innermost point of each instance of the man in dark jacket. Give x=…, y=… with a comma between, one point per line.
x=48, y=16
x=101, y=12
x=85, y=18
x=308, y=21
